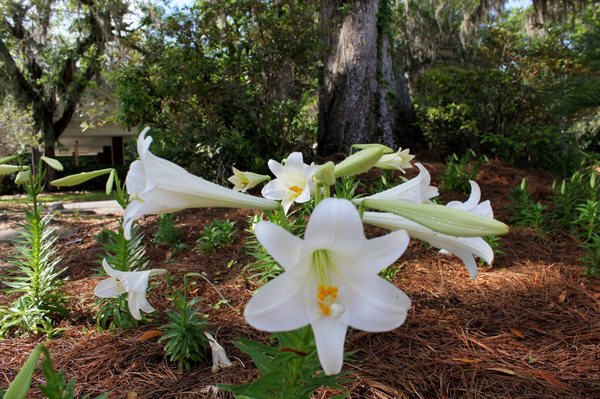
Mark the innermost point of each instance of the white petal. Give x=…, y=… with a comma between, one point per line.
x=274, y=190
x=295, y=160
x=330, y=334
x=379, y=253
x=133, y=305
x=275, y=167
x=280, y=305
x=143, y=142
x=108, y=268
x=144, y=305
x=283, y=246
x=136, y=178
x=334, y=224
x=376, y=304
x=108, y=289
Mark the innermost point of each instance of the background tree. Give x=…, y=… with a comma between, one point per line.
x=50, y=51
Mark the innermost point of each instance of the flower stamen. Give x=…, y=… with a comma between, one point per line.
x=297, y=190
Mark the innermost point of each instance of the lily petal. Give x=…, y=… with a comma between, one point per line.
x=330, y=334
x=279, y=305
x=283, y=246
x=108, y=289
x=379, y=253
x=334, y=224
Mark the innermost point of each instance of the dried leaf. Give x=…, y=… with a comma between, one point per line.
x=562, y=296
x=502, y=370
x=552, y=380
x=596, y=295
x=516, y=332
x=148, y=335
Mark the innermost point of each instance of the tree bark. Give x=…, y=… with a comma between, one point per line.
x=363, y=96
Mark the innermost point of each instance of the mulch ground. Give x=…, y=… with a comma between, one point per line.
x=528, y=327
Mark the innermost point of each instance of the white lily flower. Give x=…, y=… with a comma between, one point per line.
x=293, y=181
x=398, y=160
x=463, y=247
x=134, y=284
x=472, y=204
x=158, y=186
x=415, y=190
x=219, y=356
x=330, y=280
x=243, y=181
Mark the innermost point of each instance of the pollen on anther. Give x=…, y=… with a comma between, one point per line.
x=296, y=189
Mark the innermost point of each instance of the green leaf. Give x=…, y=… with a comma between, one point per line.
x=53, y=163
x=384, y=148
x=19, y=388
x=443, y=219
x=73, y=180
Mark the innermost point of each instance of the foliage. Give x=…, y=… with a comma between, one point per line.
x=167, y=233
x=263, y=267
x=36, y=277
x=56, y=386
x=449, y=126
x=526, y=213
x=459, y=171
x=216, y=235
x=184, y=337
x=226, y=83
x=289, y=370
x=124, y=255
x=591, y=259
x=16, y=128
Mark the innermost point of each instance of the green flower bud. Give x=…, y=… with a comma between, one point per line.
x=23, y=177
x=79, y=178
x=359, y=162
x=326, y=173
x=443, y=219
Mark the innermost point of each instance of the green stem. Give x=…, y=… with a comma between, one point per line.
x=283, y=218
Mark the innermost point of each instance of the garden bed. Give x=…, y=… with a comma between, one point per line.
x=529, y=327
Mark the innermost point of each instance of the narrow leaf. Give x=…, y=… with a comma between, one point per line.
x=110, y=181
x=19, y=388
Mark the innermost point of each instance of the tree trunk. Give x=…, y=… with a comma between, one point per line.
x=363, y=96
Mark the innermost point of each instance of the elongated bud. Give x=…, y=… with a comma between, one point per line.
x=53, y=163
x=359, y=162
x=23, y=177
x=443, y=219
x=74, y=180
x=19, y=388
x=326, y=173
x=8, y=169
x=8, y=159
x=385, y=148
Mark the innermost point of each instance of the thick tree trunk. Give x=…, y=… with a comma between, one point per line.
x=363, y=96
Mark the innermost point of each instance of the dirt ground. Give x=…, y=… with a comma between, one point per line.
x=528, y=327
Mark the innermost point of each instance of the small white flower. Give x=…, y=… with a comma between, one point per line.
x=134, y=284
x=219, y=357
x=415, y=190
x=244, y=181
x=292, y=183
x=158, y=186
x=398, y=160
x=330, y=280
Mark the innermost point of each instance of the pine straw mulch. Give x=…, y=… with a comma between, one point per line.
x=527, y=328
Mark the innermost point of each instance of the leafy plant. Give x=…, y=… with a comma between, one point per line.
x=526, y=213
x=36, y=277
x=218, y=234
x=263, y=267
x=291, y=369
x=347, y=187
x=184, y=337
x=459, y=171
x=167, y=233
x=588, y=219
x=591, y=260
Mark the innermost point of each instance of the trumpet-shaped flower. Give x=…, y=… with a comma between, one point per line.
x=292, y=183
x=472, y=204
x=158, y=186
x=398, y=160
x=134, y=284
x=330, y=280
x=463, y=247
x=416, y=189
x=243, y=181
